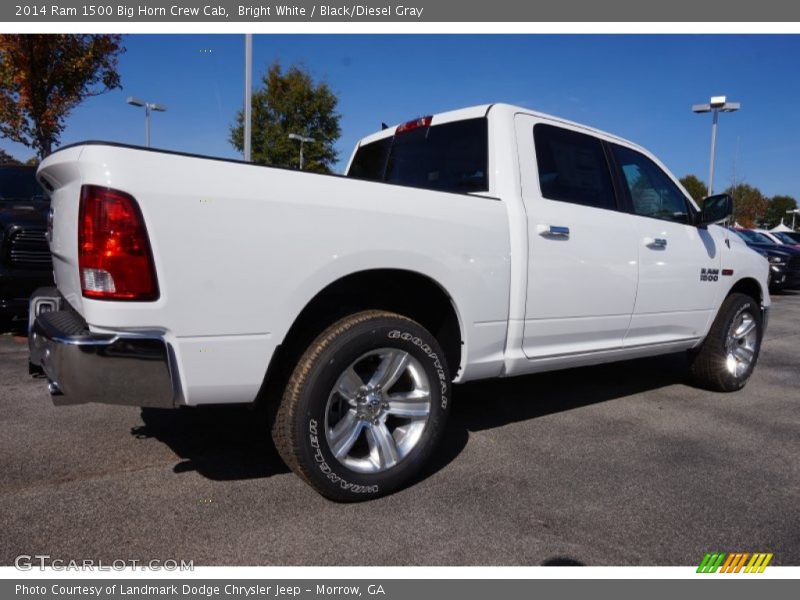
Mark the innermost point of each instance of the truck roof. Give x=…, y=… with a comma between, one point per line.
x=483, y=110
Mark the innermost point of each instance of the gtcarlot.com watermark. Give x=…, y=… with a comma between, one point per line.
x=27, y=562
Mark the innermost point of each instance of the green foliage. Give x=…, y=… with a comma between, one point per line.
x=291, y=102
x=43, y=77
x=776, y=211
x=696, y=188
x=750, y=207
x=749, y=204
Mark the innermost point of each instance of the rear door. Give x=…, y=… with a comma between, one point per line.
x=582, y=254
x=679, y=264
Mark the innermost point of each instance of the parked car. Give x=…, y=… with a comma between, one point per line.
x=776, y=238
x=491, y=241
x=775, y=278
x=778, y=268
x=788, y=237
x=24, y=254
x=784, y=261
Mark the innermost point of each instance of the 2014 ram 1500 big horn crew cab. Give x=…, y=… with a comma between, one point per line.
x=485, y=242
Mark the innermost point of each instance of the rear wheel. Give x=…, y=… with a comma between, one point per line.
x=729, y=353
x=364, y=407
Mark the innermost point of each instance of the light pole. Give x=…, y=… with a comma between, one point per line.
x=794, y=212
x=148, y=107
x=303, y=140
x=717, y=105
x=248, y=94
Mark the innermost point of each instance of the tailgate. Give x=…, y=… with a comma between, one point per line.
x=60, y=174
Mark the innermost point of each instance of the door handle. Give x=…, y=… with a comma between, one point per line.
x=554, y=231
x=657, y=243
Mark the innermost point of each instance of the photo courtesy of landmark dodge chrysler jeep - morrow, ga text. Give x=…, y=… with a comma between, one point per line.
x=486, y=242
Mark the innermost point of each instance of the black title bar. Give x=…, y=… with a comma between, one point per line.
x=466, y=11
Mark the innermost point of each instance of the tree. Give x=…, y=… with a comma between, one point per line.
x=696, y=188
x=776, y=212
x=44, y=77
x=7, y=159
x=749, y=204
x=291, y=102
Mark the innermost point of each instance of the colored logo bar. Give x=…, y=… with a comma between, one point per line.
x=735, y=562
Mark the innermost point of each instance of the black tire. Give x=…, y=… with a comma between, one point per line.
x=709, y=366
x=304, y=414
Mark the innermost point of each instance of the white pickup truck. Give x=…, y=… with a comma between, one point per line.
x=491, y=241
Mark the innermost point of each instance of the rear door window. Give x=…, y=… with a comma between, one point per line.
x=573, y=167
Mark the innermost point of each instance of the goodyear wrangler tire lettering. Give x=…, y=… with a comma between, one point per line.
x=323, y=466
x=437, y=363
x=365, y=406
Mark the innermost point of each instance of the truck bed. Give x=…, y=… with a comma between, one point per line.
x=240, y=250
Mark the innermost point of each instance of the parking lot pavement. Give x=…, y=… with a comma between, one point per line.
x=614, y=465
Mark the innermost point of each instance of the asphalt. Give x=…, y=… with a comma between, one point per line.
x=621, y=464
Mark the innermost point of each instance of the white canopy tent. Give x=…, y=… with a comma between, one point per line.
x=781, y=228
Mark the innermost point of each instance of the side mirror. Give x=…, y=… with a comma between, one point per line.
x=716, y=209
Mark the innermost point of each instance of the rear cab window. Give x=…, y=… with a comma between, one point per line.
x=451, y=157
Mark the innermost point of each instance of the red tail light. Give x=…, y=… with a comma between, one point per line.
x=415, y=124
x=114, y=254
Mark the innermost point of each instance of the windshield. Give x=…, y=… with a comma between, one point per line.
x=753, y=236
x=19, y=183
x=452, y=157
x=785, y=238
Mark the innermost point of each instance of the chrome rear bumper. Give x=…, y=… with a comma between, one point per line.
x=111, y=368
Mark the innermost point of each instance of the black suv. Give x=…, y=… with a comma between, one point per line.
x=25, y=262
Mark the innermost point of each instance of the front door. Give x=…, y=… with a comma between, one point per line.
x=679, y=264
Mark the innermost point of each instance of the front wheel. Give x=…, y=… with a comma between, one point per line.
x=728, y=355
x=364, y=407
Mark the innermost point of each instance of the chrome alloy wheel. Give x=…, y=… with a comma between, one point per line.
x=741, y=343
x=377, y=410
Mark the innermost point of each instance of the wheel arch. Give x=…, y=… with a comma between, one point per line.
x=406, y=292
x=748, y=286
